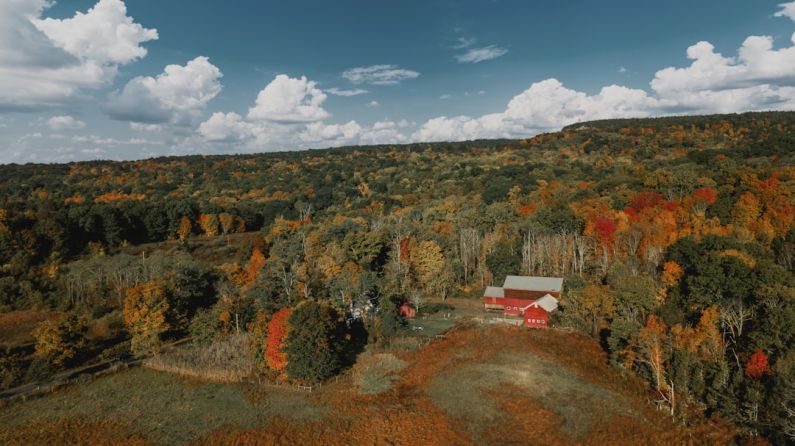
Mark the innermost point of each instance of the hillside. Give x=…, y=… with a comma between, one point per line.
x=479, y=385
x=674, y=237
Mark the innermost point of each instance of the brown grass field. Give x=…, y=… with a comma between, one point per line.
x=491, y=385
x=16, y=326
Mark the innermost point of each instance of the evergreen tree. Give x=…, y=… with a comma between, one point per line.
x=315, y=342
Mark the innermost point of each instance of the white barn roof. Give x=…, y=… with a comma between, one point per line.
x=494, y=291
x=548, y=303
x=529, y=283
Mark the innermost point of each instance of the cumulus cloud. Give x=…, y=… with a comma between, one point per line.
x=288, y=114
x=104, y=34
x=786, y=10
x=65, y=123
x=379, y=75
x=332, y=134
x=226, y=127
x=546, y=105
x=176, y=96
x=289, y=100
x=759, y=77
x=340, y=92
x=476, y=55
x=48, y=62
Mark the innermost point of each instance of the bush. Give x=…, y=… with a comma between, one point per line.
x=40, y=369
x=117, y=352
x=205, y=327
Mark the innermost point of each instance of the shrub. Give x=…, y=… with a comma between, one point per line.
x=40, y=369
x=205, y=327
x=117, y=352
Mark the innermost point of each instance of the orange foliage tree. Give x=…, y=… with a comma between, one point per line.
x=145, y=308
x=275, y=358
x=185, y=228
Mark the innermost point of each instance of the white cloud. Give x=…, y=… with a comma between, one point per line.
x=463, y=42
x=384, y=132
x=622, y=69
x=340, y=92
x=373, y=104
x=546, y=105
x=226, y=127
x=446, y=96
x=104, y=34
x=476, y=55
x=759, y=77
x=333, y=134
x=289, y=100
x=175, y=96
x=50, y=62
x=786, y=10
x=379, y=75
x=65, y=123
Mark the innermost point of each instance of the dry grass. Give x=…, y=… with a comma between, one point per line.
x=222, y=361
x=531, y=387
x=16, y=326
x=375, y=373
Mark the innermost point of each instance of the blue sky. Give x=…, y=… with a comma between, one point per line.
x=87, y=79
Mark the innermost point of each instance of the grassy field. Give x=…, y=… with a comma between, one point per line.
x=481, y=384
x=159, y=406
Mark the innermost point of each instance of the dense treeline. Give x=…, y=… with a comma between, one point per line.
x=675, y=236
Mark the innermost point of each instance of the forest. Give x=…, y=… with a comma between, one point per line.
x=675, y=237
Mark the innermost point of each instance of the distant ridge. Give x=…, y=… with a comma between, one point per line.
x=678, y=120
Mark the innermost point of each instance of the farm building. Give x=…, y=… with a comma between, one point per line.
x=533, y=298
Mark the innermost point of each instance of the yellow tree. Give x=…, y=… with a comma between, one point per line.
x=653, y=350
x=209, y=224
x=429, y=263
x=597, y=304
x=60, y=341
x=185, y=228
x=145, y=308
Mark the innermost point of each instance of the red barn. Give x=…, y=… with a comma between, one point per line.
x=494, y=298
x=531, y=297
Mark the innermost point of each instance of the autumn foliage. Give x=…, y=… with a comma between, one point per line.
x=275, y=358
x=757, y=364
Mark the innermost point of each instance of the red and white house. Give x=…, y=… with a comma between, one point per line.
x=532, y=298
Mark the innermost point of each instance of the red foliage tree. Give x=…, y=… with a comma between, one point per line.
x=707, y=195
x=646, y=200
x=277, y=332
x=757, y=364
x=605, y=229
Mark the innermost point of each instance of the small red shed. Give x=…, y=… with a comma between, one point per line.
x=407, y=310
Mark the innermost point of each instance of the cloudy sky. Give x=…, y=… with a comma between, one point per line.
x=116, y=79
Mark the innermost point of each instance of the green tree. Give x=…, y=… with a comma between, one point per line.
x=315, y=344
x=503, y=261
